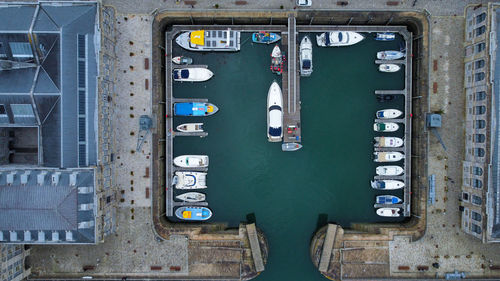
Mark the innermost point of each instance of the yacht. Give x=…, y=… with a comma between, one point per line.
x=191, y=197
x=388, y=142
x=306, y=66
x=338, y=38
x=389, y=67
x=385, y=127
x=191, y=161
x=388, y=212
x=274, y=113
x=190, y=180
x=210, y=40
x=388, y=156
x=387, y=184
x=388, y=113
x=193, y=74
x=192, y=213
x=389, y=170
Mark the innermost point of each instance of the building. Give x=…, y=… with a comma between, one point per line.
x=57, y=77
x=480, y=200
x=12, y=262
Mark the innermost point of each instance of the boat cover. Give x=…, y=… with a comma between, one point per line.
x=275, y=132
x=327, y=38
x=176, y=74
x=340, y=36
x=184, y=73
x=380, y=184
x=380, y=114
x=381, y=126
x=198, y=37
x=306, y=64
x=190, y=108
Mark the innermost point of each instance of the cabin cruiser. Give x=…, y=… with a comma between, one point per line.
x=388, y=156
x=390, y=55
x=306, y=66
x=387, y=184
x=191, y=161
x=210, y=40
x=388, y=113
x=190, y=127
x=192, y=213
x=338, y=38
x=389, y=170
x=388, y=212
x=389, y=67
x=193, y=74
x=190, y=180
x=385, y=127
x=274, y=113
x=191, y=197
x=388, y=142
x=387, y=199
x=194, y=109
x=385, y=36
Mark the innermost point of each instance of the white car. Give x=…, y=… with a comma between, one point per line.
x=304, y=3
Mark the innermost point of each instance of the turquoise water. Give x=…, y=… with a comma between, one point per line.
x=289, y=191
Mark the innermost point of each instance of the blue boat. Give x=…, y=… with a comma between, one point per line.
x=385, y=36
x=194, y=109
x=265, y=37
x=387, y=199
x=191, y=213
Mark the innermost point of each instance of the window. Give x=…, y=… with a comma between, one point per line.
x=480, y=18
x=479, y=152
x=480, y=47
x=477, y=200
x=465, y=196
x=476, y=228
x=478, y=110
x=477, y=171
x=478, y=64
x=22, y=110
x=480, y=124
x=475, y=216
x=477, y=183
x=21, y=49
x=480, y=95
x=2, y=110
x=479, y=76
x=480, y=30
x=108, y=199
x=479, y=138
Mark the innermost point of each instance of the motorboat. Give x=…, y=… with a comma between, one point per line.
x=388, y=113
x=388, y=156
x=210, y=40
x=387, y=184
x=190, y=180
x=191, y=197
x=306, y=66
x=389, y=170
x=190, y=127
x=277, y=59
x=192, y=213
x=338, y=38
x=291, y=146
x=265, y=37
x=388, y=142
x=385, y=127
x=390, y=55
x=388, y=212
x=194, y=109
x=389, y=67
x=191, y=161
x=194, y=74
x=385, y=36
x=387, y=199
x=182, y=60
x=274, y=113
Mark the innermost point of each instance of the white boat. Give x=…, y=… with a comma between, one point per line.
x=389, y=170
x=389, y=67
x=190, y=127
x=274, y=113
x=182, y=60
x=191, y=197
x=388, y=142
x=306, y=65
x=191, y=161
x=190, y=180
x=194, y=74
x=338, y=38
x=276, y=60
x=385, y=36
x=387, y=184
x=385, y=127
x=388, y=212
x=210, y=40
x=388, y=113
x=390, y=55
x=388, y=156
x=291, y=146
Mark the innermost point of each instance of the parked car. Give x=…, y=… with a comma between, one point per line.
x=304, y=3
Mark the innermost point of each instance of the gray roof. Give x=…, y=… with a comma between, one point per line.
x=47, y=201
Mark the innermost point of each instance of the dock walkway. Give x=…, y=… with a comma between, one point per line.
x=255, y=247
x=331, y=233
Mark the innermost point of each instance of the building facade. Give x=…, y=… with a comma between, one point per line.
x=480, y=199
x=12, y=262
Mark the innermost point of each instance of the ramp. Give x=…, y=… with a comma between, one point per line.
x=326, y=253
x=255, y=247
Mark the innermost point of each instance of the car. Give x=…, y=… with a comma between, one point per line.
x=304, y=3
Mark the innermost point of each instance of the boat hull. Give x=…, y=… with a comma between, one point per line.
x=388, y=156
x=194, y=109
x=182, y=60
x=388, y=212
x=183, y=40
x=388, y=113
x=192, y=213
x=385, y=36
x=191, y=161
x=265, y=37
x=387, y=199
x=389, y=170
x=388, y=142
x=190, y=127
x=291, y=146
x=385, y=127
x=390, y=55
x=338, y=38
x=191, y=197
x=305, y=51
x=389, y=67
x=190, y=180
x=194, y=74
x=274, y=113
x=387, y=184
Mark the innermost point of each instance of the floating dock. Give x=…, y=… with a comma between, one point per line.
x=326, y=253
x=255, y=247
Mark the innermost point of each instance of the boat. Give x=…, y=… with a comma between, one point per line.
x=194, y=74
x=265, y=37
x=338, y=38
x=390, y=55
x=387, y=199
x=387, y=184
x=388, y=212
x=389, y=170
x=384, y=98
x=388, y=156
x=388, y=113
x=274, y=113
x=291, y=146
x=385, y=36
x=306, y=66
x=210, y=40
x=277, y=60
x=389, y=67
x=385, y=127
x=191, y=197
x=194, y=109
x=191, y=161
x=190, y=127
x=388, y=142
x=192, y=213
x=190, y=180
x=182, y=60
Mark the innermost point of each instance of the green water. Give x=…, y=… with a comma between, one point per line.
x=289, y=191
